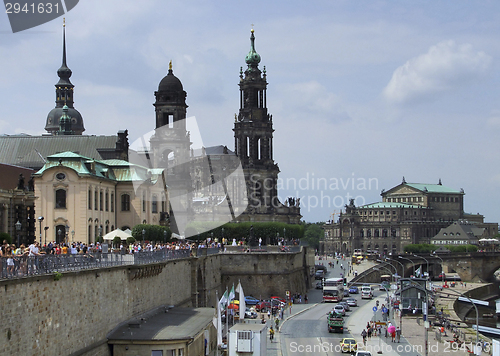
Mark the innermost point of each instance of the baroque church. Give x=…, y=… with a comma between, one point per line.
x=168, y=183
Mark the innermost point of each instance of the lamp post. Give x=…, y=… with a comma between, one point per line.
x=404, y=258
x=426, y=262
x=45, y=235
x=18, y=229
x=143, y=235
x=40, y=219
x=59, y=233
x=475, y=307
x=73, y=235
x=442, y=266
x=165, y=236
x=284, y=234
x=402, y=267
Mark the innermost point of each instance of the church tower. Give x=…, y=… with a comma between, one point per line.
x=170, y=147
x=253, y=134
x=64, y=96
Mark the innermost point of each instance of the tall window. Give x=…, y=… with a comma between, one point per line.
x=154, y=204
x=143, y=202
x=112, y=202
x=96, y=202
x=107, y=201
x=125, y=202
x=90, y=199
x=60, y=199
x=100, y=201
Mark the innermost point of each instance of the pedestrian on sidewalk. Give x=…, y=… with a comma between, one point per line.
x=363, y=334
x=271, y=334
x=398, y=334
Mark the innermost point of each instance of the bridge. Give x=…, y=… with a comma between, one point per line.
x=471, y=266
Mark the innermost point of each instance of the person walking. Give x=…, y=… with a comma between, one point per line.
x=271, y=333
x=398, y=334
x=363, y=334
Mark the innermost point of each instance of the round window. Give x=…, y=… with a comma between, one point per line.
x=60, y=176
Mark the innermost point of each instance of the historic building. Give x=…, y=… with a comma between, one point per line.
x=82, y=198
x=408, y=213
x=17, y=203
x=253, y=142
x=461, y=232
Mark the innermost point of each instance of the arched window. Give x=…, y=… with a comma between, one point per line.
x=154, y=204
x=125, y=202
x=384, y=233
x=60, y=199
x=376, y=233
x=368, y=233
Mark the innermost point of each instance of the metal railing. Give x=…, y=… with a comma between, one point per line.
x=48, y=264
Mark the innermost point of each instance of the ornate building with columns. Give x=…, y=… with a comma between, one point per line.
x=409, y=213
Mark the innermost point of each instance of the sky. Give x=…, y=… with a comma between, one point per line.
x=362, y=93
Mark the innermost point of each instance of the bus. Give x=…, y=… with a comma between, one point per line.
x=333, y=290
x=385, y=282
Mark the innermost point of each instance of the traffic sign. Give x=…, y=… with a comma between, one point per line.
x=374, y=309
x=384, y=310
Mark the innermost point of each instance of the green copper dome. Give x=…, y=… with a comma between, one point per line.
x=252, y=58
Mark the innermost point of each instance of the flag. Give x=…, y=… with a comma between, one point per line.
x=224, y=299
x=239, y=289
x=231, y=295
x=417, y=272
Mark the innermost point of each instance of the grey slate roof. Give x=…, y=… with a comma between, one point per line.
x=175, y=324
x=27, y=151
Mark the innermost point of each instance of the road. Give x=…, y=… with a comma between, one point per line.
x=306, y=334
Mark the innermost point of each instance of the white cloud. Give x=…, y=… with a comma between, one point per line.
x=445, y=66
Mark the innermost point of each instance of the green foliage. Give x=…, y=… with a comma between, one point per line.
x=130, y=240
x=420, y=248
x=5, y=236
x=117, y=241
x=57, y=276
x=241, y=230
x=313, y=234
x=462, y=248
x=154, y=233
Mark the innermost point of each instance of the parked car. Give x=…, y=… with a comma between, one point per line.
x=353, y=290
x=279, y=299
x=339, y=309
x=319, y=285
x=348, y=344
x=249, y=300
x=263, y=306
x=250, y=314
x=352, y=302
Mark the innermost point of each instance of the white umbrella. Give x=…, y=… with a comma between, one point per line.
x=111, y=235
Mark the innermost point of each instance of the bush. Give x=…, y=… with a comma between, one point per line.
x=117, y=241
x=5, y=236
x=420, y=248
x=130, y=240
x=155, y=233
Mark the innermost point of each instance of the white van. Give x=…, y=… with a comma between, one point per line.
x=366, y=292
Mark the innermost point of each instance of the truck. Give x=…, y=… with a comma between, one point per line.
x=335, y=322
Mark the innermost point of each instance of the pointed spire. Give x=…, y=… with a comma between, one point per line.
x=252, y=58
x=64, y=72
x=170, y=65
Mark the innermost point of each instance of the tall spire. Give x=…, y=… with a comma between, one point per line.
x=64, y=72
x=64, y=97
x=252, y=58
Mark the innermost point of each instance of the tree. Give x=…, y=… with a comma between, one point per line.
x=313, y=233
x=117, y=241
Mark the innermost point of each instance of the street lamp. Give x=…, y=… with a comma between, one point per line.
x=402, y=266
x=143, y=235
x=59, y=233
x=165, y=235
x=426, y=262
x=404, y=258
x=45, y=237
x=442, y=266
x=100, y=233
x=40, y=219
x=18, y=229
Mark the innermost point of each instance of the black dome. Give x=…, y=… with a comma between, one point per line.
x=170, y=83
x=54, y=116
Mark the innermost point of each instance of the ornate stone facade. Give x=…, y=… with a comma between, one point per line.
x=408, y=213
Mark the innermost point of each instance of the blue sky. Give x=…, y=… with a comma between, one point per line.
x=364, y=90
